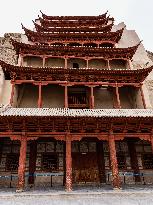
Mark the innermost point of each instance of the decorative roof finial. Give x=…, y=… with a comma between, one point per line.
x=22, y=26
x=139, y=43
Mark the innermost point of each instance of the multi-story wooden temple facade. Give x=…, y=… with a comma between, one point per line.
x=75, y=105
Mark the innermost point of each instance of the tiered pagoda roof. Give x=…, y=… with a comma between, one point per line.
x=84, y=29
x=106, y=53
x=80, y=75
x=74, y=28
x=75, y=75
x=74, y=21
x=102, y=16
x=113, y=37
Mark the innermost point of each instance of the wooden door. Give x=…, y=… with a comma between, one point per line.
x=85, y=167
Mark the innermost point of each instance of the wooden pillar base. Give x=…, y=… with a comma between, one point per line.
x=116, y=182
x=19, y=190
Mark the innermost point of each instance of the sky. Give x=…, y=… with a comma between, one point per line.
x=136, y=14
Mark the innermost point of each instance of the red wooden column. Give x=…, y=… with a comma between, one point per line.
x=32, y=160
x=129, y=65
x=20, y=62
x=40, y=96
x=108, y=64
x=44, y=59
x=87, y=63
x=117, y=97
x=68, y=164
x=114, y=163
x=66, y=62
x=92, y=104
x=64, y=163
x=22, y=164
x=143, y=99
x=66, y=97
x=12, y=93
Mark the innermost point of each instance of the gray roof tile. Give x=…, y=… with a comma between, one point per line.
x=59, y=112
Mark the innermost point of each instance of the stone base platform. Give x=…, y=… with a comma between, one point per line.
x=129, y=195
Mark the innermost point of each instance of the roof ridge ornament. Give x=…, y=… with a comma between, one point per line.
x=139, y=43
x=4, y=108
x=22, y=26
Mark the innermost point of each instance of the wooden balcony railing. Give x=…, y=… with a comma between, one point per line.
x=78, y=101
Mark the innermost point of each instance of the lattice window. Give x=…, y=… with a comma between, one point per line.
x=147, y=161
x=49, y=162
x=12, y=162
x=121, y=161
x=77, y=99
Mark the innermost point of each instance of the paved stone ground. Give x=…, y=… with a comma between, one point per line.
x=80, y=196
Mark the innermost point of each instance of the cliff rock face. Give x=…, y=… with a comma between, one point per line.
x=7, y=52
x=149, y=81
x=150, y=55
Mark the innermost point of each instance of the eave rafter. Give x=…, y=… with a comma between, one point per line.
x=47, y=37
x=70, y=51
x=45, y=23
x=84, y=29
x=102, y=16
x=75, y=75
x=84, y=126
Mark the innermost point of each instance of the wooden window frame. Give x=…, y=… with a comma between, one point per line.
x=50, y=154
x=143, y=161
x=8, y=164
